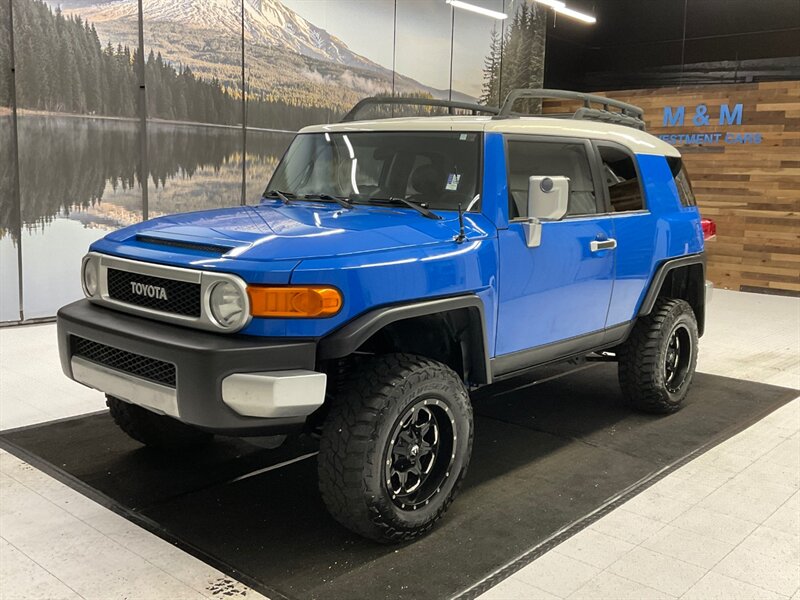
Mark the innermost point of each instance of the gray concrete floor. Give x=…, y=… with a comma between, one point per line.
x=726, y=525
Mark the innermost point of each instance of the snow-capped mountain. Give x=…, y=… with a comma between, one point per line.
x=266, y=22
x=287, y=58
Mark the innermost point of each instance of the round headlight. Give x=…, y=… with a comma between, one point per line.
x=90, y=277
x=227, y=304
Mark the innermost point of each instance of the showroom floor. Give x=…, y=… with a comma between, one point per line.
x=725, y=525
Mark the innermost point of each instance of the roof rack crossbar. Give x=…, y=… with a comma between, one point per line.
x=628, y=114
x=450, y=105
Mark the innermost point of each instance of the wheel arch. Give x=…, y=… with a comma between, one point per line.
x=416, y=328
x=680, y=278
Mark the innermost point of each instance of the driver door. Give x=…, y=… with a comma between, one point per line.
x=555, y=296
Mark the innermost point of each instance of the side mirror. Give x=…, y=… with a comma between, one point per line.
x=548, y=198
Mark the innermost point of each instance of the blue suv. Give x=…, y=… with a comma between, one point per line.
x=392, y=266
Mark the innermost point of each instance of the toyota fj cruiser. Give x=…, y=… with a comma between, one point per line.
x=391, y=266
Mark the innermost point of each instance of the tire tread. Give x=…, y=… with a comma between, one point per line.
x=350, y=432
x=639, y=358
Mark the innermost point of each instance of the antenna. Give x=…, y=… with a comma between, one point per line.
x=461, y=235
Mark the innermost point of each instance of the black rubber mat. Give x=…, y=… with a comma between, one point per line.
x=544, y=457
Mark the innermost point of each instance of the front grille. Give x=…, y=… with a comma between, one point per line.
x=144, y=367
x=178, y=297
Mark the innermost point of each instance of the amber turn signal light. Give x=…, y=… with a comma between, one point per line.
x=294, y=301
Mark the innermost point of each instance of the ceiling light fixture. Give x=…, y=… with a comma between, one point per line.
x=561, y=8
x=477, y=9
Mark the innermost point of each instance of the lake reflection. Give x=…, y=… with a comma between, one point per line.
x=85, y=171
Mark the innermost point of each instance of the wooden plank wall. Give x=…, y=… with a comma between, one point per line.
x=752, y=191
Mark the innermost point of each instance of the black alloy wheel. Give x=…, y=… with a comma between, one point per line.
x=420, y=454
x=678, y=358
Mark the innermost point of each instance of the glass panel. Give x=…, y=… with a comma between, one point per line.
x=9, y=221
x=523, y=51
x=476, y=54
x=438, y=169
x=193, y=167
x=685, y=192
x=9, y=290
x=264, y=151
x=423, y=48
x=331, y=54
x=78, y=140
x=550, y=159
x=193, y=77
x=622, y=179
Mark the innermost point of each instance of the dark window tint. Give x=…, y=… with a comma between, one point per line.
x=552, y=159
x=682, y=181
x=624, y=187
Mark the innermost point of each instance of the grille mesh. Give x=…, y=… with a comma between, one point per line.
x=182, y=298
x=127, y=362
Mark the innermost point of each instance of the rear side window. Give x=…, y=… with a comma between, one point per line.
x=622, y=179
x=554, y=159
x=682, y=182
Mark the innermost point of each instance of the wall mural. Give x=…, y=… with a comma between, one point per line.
x=515, y=58
x=9, y=290
x=305, y=61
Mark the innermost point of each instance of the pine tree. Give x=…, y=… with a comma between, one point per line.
x=5, y=56
x=518, y=57
x=490, y=95
x=538, y=33
x=66, y=77
x=62, y=66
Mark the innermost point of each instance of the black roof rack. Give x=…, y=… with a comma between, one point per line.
x=450, y=105
x=628, y=114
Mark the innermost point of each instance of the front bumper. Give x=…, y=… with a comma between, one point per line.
x=231, y=384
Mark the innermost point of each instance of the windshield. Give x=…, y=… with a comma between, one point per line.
x=439, y=169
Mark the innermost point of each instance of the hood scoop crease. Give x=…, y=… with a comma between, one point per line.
x=198, y=246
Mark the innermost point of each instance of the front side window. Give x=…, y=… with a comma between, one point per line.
x=622, y=179
x=438, y=169
x=550, y=159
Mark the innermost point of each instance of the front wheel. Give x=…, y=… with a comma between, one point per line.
x=395, y=447
x=657, y=362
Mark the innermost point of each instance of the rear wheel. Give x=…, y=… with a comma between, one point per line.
x=395, y=447
x=657, y=362
x=152, y=429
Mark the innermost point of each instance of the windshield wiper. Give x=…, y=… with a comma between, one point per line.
x=343, y=202
x=282, y=196
x=420, y=208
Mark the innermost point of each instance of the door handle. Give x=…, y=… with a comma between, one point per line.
x=598, y=245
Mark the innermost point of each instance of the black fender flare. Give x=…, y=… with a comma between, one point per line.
x=349, y=337
x=660, y=276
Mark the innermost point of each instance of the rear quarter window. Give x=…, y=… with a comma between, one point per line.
x=682, y=182
x=625, y=191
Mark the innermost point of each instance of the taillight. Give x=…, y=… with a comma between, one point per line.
x=709, y=229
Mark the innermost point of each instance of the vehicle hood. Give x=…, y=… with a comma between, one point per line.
x=274, y=231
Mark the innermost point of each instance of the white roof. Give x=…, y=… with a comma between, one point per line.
x=637, y=141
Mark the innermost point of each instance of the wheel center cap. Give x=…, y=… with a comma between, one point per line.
x=414, y=450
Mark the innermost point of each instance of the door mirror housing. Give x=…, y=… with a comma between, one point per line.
x=548, y=199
